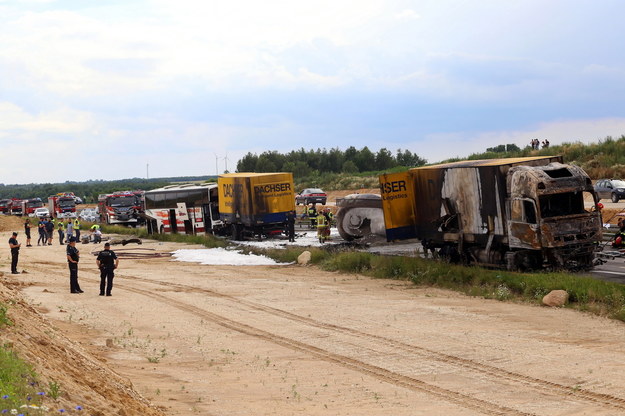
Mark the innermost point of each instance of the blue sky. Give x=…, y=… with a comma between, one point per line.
x=116, y=89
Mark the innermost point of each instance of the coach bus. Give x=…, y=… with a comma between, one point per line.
x=183, y=209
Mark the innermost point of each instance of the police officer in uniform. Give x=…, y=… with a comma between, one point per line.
x=15, y=252
x=107, y=262
x=73, y=255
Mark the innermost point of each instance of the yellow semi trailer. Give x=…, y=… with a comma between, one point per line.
x=518, y=213
x=255, y=204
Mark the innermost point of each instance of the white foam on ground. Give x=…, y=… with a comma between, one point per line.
x=233, y=257
x=302, y=238
x=221, y=256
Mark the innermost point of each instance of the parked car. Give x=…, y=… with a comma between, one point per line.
x=42, y=212
x=89, y=214
x=613, y=189
x=311, y=196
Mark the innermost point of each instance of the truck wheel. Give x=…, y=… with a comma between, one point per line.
x=615, y=198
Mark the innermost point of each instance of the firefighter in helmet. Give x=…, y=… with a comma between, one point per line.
x=312, y=215
x=619, y=237
x=322, y=227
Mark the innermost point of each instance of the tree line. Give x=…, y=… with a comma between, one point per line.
x=303, y=162
x=89, y=190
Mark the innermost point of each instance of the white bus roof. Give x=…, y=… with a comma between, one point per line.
x=184, y=186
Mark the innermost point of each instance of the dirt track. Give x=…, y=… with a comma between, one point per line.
x=285, y=340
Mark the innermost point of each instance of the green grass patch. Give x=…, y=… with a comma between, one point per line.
x=585, y=293
x=20, y=390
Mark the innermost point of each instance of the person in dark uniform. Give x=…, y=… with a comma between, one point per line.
x=27, y=232
x=290, y=224
x=73, y=255
x=43, y=237
x=50, y=230
x=107, y=262
x=15, y=252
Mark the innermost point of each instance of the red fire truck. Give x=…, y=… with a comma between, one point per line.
x=4, y=206
x=15, y=206
x=29, y=206
x=123, y=207
x=62, y=206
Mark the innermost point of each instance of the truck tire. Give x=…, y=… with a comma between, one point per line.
x=360, y=215
x=615, y=198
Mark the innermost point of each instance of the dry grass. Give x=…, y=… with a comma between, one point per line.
x=11, y=223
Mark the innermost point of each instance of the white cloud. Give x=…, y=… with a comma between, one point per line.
x=61, y=120
x=407, y=14
x=557, y=132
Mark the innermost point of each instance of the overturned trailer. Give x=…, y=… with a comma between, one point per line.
x=519, y=213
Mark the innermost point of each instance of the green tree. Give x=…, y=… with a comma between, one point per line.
x=365, y=160
x=384, y=159
x=247, y=163
x=409, y=159
x=349, y=167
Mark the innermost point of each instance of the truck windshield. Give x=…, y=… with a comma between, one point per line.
x=556, y=205
x=35, y=204
x=122, y=201
x=66, y=203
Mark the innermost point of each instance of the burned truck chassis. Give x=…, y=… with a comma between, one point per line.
x=499, y=256
x=570, y=239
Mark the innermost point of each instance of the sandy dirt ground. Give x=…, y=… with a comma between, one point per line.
x=184, y=338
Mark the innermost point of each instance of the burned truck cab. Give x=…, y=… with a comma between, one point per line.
x=547, y=219
x=515, y=213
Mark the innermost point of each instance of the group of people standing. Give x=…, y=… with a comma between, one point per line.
x=106, y=261
x=321, y=220
x=535, y=143
x=46, y=229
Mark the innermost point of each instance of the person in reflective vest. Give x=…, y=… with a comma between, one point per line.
x=77, y=229
x=61, y=229
x=321, y=227
x=312, y=215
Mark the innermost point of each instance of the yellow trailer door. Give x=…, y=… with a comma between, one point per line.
x=398, y=196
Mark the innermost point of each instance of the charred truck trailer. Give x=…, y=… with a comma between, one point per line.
x=238, y=204
x=255, y=204
x=521, y=213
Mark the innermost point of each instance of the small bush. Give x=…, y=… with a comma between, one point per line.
x=357, y=262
